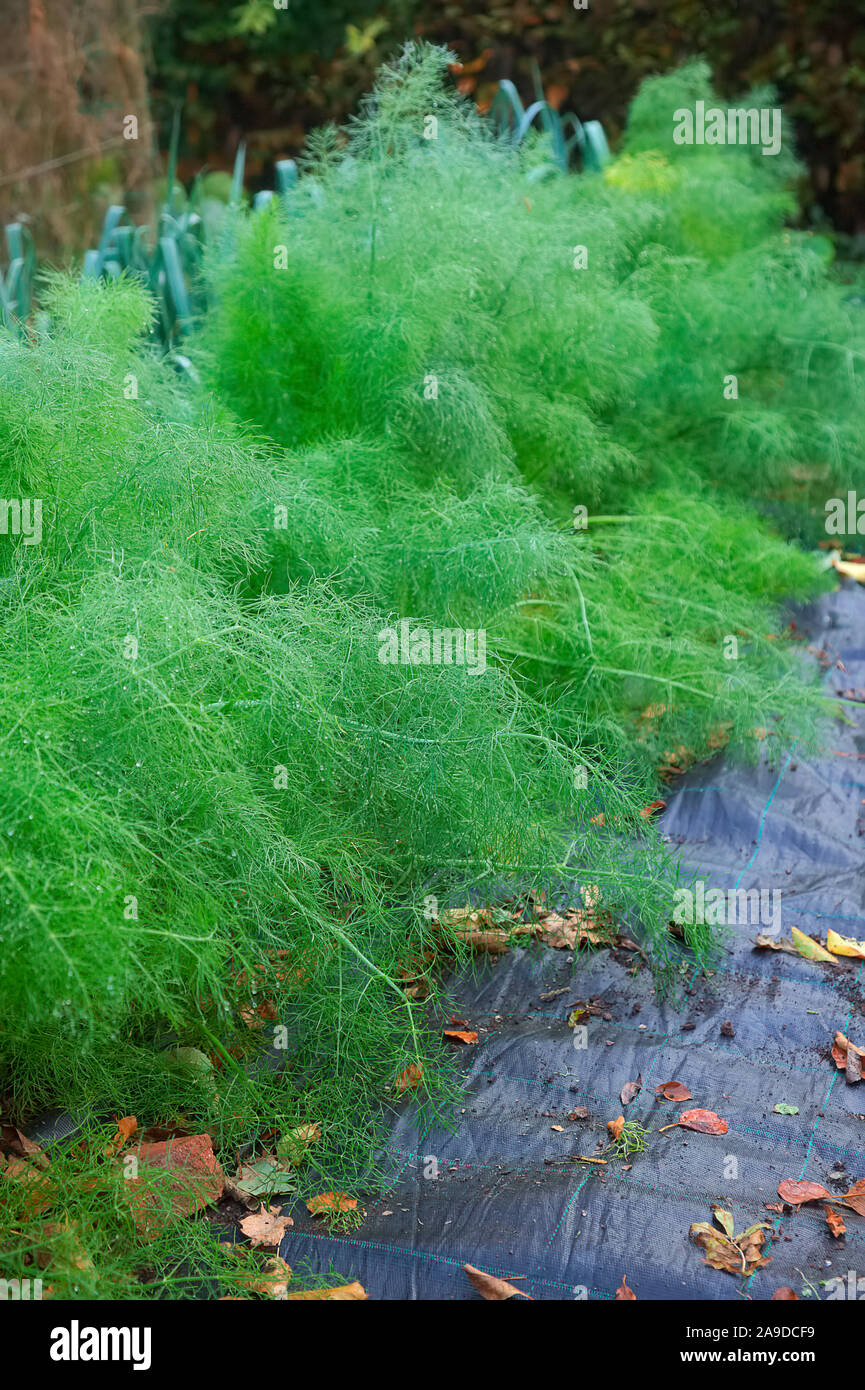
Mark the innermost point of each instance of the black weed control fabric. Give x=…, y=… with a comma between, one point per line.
x=503, y=1191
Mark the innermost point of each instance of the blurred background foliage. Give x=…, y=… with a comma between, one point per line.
x=268, y=71
x=271, y=74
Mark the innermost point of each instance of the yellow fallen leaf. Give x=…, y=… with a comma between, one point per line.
x=848, y=567
x=342, y=1293
x=844, y=945
x=809, y=948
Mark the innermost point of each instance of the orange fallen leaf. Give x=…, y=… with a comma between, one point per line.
x=126, y=1127
x=702, y=1121
x=491, y=1287
x=330, y=1201
x=460, y=1035
x=623, y=1293
x=796, y=1193
x=616, y=1126
x=785, y=1293
x=653, y=806
x=854, y=1197
x=835, y=1222
x=410, y=1078
x=272, y=1281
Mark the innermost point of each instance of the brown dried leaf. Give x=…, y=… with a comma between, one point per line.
x=460, y=1035
x=841, y=1049
x=623, y=1293
x=272, y=1281
x=785, y=1293
x=616, y=1126
x=835, y=1222
x=673, y=1090
x=494, y=942
x=721, y=1253
x=631, y=1089
x=490, y=1286
x=266, y=1227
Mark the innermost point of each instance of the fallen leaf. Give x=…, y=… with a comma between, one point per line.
x=848, y=1058
x=623, y=1293
x=674, y=1090
x=809, y=948
x=263, y=1178
x=126, y=1127
x=835, y=1222
x=774, y=943
x=796, y=1193
x=721, y=1252
x=191, y=1059
x=734, y=1254
x=266, y=1227
x=330, y=1201
x=631, y=1089
x=703, y=1121
x=408, y=1080
x=846, y=567
x=460, y=1035
x=616, y=1126
x=854, y=1197
x=292, y=1147
x=495, y=942
x=782, y=1109
x=14, y=1141
x=785, y=1293
x=844, y=945
x=272, y=1281
x=560, y=1129
x=42, y=1191
x=343, y=1293
x=490, y=1286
